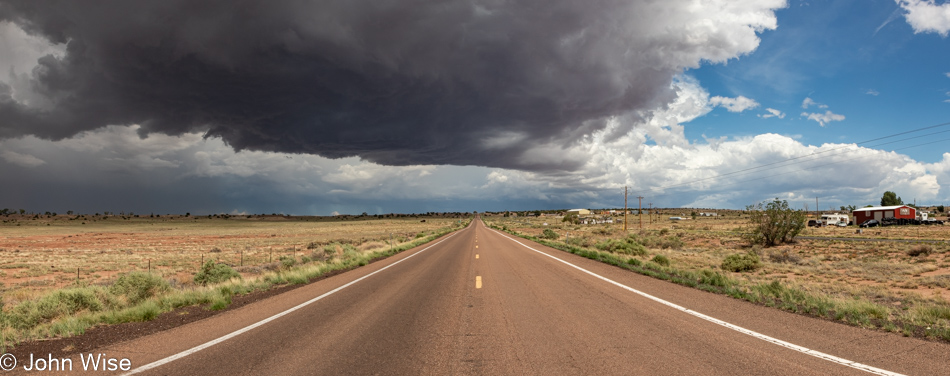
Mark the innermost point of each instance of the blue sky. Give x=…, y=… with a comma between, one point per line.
x=857, y=57
x=330, y=107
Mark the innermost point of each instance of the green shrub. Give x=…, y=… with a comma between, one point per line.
x=661, y=260
x=329, y=251
x=580, y=241
x=214, y=273
x=672, y=242
x=138, y=286
x=571, y=218
x=549, y=234
x=58, y=303
x=621, y=246
x=349, y=251
x=741, y=262
x=288, y=261
x=710, y=277
x=223, y=300
x=774, y=222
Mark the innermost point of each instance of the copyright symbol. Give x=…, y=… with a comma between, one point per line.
x=7, y=362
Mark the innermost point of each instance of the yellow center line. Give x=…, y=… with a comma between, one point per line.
x=476, y=247
x=478, y=281
x=476, y=256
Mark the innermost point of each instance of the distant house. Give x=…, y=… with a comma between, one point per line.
x=708, y=214
x=881, y=212
x=579, y=212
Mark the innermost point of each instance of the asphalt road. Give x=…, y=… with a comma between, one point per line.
x=478, y=302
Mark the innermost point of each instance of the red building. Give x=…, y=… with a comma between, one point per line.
x=881, y=212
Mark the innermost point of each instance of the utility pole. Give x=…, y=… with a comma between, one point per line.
x=650, y=213
x=640, y=210
x=625, y=208
x=817, y=210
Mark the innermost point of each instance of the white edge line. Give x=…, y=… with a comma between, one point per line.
x=776, y=341
x=269, y=319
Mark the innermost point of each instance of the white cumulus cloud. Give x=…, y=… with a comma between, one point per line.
x=737, y=104
x=772, y=113
x=824, y=118
x=808, y=102
x=872, y=92
x=926, y=16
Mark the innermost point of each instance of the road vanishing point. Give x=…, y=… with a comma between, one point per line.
x=481, y=302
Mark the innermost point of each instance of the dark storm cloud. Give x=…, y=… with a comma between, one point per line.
x=393, y=82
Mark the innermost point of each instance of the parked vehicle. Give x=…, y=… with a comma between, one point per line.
x=870, y=223
x=812, y=223
x=834, y=219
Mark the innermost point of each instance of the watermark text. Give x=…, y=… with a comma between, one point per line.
x=86, y=362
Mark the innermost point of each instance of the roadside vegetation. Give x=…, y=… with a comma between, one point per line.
x=141, y=295
x=773, y=222
x=901, y=287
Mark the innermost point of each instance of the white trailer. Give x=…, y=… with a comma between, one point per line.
x=834, y=219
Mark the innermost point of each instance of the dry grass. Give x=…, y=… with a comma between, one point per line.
x=64, y=306
x=37, y=255
x=868, y=281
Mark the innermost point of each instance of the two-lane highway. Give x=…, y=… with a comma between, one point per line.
x=482, y=302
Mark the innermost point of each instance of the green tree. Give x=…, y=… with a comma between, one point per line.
x=849, y=208
x=571, y=218
x=773, y=222
x=891, y=199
